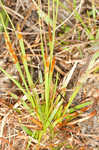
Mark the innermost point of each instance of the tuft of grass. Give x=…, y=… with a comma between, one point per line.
x=48, y=112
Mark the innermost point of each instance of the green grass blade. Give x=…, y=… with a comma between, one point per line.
x=7, y=15
x=19, y=86
x=72, y=98
x=17, y=63
x=77, y=107
x=3, y=14
x=53, y=114
x=30, y=82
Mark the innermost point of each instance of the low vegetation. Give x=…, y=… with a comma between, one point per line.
x=45, y=104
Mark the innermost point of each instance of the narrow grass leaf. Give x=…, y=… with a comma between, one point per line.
x=25, y=61
x=72, y=98
x=19, y=86
x=28, y=131
x=53, y=114
x=5, y=19
x=77, y=107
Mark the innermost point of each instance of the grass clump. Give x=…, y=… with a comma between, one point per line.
x=47, y=110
